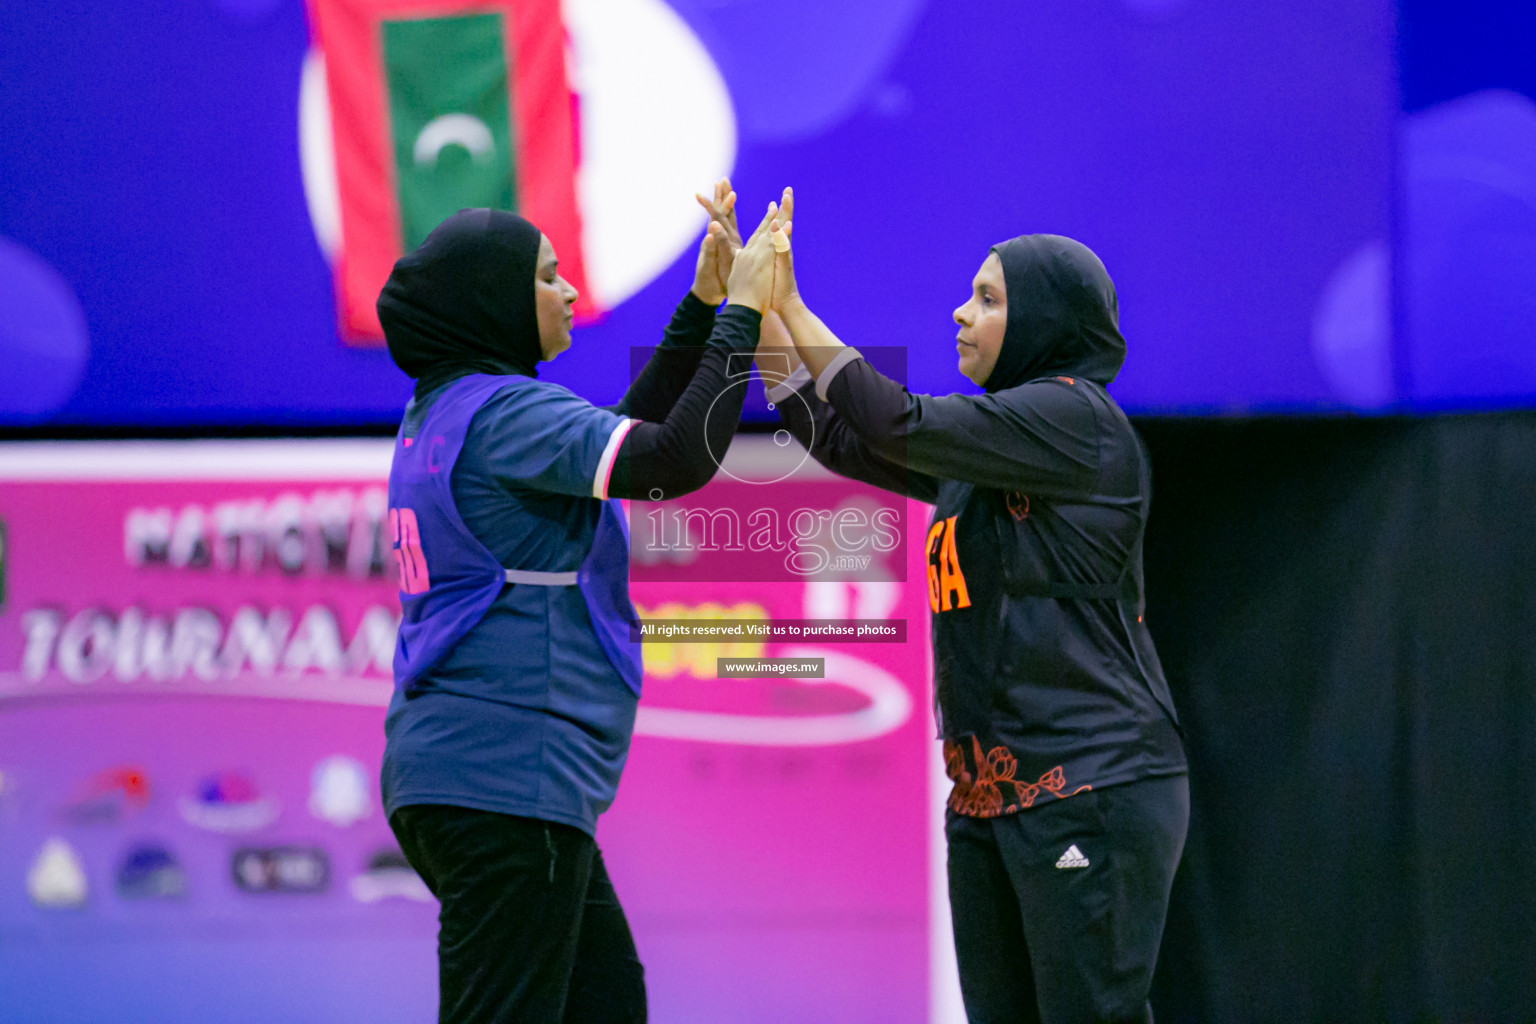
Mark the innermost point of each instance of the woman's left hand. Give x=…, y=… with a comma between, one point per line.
x=722, y=240
x=708, y=281
x=722, y=210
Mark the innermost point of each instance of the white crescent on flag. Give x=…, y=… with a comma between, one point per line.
x=453, y=130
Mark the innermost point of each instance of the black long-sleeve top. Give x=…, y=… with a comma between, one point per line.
x=683, y=394
x=1045, y=675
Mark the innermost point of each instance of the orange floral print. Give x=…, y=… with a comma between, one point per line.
x=981, y=794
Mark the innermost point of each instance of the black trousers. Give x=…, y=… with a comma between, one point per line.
x=1059, y=910
x=531, y=931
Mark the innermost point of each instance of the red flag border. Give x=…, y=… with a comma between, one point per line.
x=348, y=33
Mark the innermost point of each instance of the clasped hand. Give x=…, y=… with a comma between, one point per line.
x=754, y=273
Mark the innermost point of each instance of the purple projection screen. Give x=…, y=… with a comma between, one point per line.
x=173, y=219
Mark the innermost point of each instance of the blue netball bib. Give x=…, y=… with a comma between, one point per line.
x=448, y=578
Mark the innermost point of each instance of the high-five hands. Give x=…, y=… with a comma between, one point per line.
x=720, y=272
x=751, y=280
x=814, y=343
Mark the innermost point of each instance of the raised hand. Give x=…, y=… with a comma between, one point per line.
x=780, y=227
x=816, y=345
x=774, y=210
x=722, y=239
x=714, y=266
x=722, y=210
x=751, y=280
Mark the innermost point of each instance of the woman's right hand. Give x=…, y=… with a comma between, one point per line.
x=785, y=292
x=751, y=282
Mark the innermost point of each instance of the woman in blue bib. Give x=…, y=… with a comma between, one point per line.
x=515, y=678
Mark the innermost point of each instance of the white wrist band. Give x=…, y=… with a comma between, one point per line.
x=842, y=359
x=789, y=385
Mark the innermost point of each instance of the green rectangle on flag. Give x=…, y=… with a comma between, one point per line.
x=449, y=87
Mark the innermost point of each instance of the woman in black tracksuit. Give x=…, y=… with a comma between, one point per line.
x=1070, y=800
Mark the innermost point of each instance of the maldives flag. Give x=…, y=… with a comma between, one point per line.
x=439, y=105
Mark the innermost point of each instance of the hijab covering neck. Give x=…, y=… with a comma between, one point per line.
x=1063, y=318
x=463, y=302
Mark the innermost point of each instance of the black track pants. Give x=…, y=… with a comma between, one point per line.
x=1058, y=910
x=531, y=931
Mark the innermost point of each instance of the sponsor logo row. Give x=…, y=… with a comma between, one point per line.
x=57, y=878
x=227, y=802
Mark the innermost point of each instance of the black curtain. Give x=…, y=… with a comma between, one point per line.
x=1346, y=609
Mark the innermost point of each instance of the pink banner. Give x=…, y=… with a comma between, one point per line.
x=194, y=655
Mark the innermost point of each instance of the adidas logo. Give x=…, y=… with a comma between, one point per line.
x=1073, y=858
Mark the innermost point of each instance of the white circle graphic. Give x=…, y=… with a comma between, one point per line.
x=719, y=457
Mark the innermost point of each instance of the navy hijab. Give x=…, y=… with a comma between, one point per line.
x=1063, y=317
x=463, y=302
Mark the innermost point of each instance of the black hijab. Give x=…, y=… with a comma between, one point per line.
x=1063, y=318
x=463, y=301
